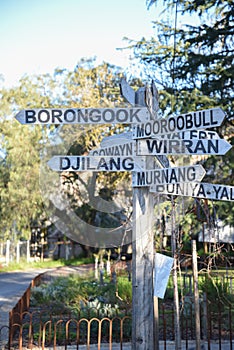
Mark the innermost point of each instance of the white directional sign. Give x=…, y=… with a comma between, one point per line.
x=194, y=146
x=198, y=190
x=90, y=163
x=121, y=149
x=207, y=118
x=116, y=139
x=169, y=175
x=189, y=135
x=83, y=116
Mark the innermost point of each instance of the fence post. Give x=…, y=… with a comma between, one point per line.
x=8, y=243
x=205, y=325
x=18, y=252
x=28, y=251
x=196, y=296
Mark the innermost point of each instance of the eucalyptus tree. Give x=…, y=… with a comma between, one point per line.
x=92, y=195
x=21, y=202
x=26, y=147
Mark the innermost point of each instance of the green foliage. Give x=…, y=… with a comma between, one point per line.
x=124, y=288
x=193, y=65
x=83, y=296
x=216, y=288
x=89, y=85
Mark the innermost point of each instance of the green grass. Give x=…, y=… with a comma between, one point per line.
x=46, y=264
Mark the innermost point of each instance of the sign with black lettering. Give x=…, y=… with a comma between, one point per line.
x=198, y=190
x=149, y=147
x=90, y=163
x=112, y=149
x=207, y=118
x=169, y=175
x=83, y=116
x=189, y=135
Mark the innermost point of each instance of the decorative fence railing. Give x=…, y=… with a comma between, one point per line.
x=64, y=332
x=47, y=330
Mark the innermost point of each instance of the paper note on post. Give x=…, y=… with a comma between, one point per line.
x=163, y=265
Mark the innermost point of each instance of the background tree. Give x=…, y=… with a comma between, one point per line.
x=94, y=87
x=88, y=85
x=193, y=64
x=20, y=194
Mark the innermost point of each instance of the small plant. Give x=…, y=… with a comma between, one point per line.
x=96, y=308
x=83, y=297
x=124, y=289
x=214, y=288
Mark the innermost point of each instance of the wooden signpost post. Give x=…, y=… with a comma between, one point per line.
x=144, y=304
x=136, y=151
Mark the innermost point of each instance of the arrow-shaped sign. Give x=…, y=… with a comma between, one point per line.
x=189, y=135
x=197, y=190
x=121, y=143
x=116, y=139
x=122, y=149
x=207, y=118
x=90, y=163
x=169, y=175
x=195, y=146
x=83, y=116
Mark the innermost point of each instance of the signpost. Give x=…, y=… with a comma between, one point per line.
x=208, y=118
x=83, y=116
x=196, y=189
x=145, y=308
x=168, y=175
x=194, y=146
x=153, y=138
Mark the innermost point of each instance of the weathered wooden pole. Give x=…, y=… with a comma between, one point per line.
x=143, y=330
x=144, y=335
x=196, y=296
x=177, y=330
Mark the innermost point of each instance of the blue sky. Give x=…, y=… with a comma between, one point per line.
x=37, y=36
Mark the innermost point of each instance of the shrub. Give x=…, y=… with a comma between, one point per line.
x=84, y=297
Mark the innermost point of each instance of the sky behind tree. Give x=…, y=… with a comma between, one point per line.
x=37, y=36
